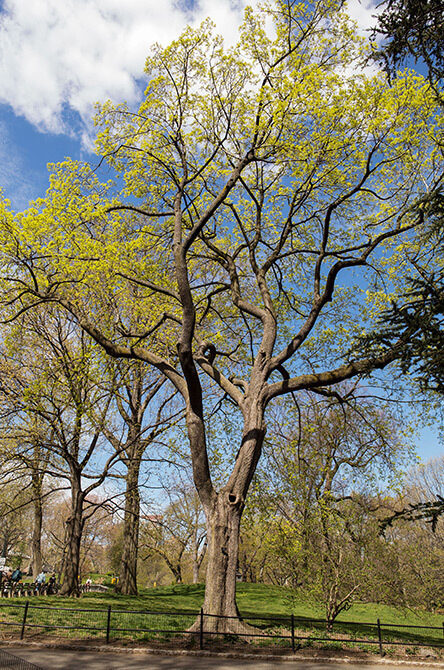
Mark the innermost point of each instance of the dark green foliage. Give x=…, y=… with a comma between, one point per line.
x=413, y=29
x=415, y=326
x=430, y=511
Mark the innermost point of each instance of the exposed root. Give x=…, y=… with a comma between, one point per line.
x=225, y=626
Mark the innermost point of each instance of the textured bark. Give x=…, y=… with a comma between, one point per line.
x=223, y=548
x=36, y=541
x=223, y=529
x=74, y=529
x=128, y=566
x=36, y=545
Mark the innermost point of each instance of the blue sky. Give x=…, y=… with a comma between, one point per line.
x=58, y=57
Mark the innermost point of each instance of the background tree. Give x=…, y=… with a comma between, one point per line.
x=325, y=457
x=412, y=30
x=177, y=532
x=135, y=395
x=14, y=520
x=25, y=454
x=61, y=392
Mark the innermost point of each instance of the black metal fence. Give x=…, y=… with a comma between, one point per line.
x=12, y=662
x=293, y=632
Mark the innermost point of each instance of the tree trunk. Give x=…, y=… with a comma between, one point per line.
x=5, y=545
x=128, y=565
x=74, y=527
x=36, y=543
x=36, y=546
x=223, y=523
x=198, y=558
x=223, y=517
x=177, y=572
x=195, y=572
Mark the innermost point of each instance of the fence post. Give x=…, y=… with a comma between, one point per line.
x=292, y=633
x=25, y=614
x=108, y=624
x=201, y=629
x=380, y=638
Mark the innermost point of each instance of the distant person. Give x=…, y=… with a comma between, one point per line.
x=52, y=584
x=16, y=575
x=88, y=584
x=40, y=580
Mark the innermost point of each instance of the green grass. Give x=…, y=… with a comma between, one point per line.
x=184, y=601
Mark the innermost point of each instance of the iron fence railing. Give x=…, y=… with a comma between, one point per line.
x=20, y=618
x=12, y=662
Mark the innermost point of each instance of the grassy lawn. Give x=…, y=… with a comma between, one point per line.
x=180, y=603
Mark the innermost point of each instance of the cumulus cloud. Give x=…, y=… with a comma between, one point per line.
x=57, y=54
x=59, y=57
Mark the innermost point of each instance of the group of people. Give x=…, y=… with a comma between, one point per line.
x=8, y=575
x=11, y=578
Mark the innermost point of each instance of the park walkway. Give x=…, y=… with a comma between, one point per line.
x=58, y=659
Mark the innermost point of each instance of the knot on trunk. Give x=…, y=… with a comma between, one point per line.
x=234, y=499
x=208, y=351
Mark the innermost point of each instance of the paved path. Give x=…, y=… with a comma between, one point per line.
x=54, y=659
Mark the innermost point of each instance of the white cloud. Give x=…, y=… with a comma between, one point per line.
x=59, y=55
x=55, y=53
x=363, y=12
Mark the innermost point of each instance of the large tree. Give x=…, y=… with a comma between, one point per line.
x=257, y=182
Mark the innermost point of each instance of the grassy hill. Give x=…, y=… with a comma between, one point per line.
x=252, y=599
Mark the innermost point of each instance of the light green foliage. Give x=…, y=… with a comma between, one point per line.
x=320, y=134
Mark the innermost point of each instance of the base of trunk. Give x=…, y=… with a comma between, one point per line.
x=221, y=626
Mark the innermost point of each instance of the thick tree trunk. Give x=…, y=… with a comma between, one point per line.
x=223, y=530
x=223, y=526
x=128, y=565
x=74, y=527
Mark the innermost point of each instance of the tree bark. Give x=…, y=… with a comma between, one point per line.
x=36, y=543
x=223, y=516
x=223, y=524
x=36, y=546
x=198, y=558
x=128, y=565
x=74, y=527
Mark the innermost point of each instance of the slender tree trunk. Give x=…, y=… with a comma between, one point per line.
x=74, y=528
x=36, y=546
x=5, y=545
x=195, y=572
x=36, y=543
x=128, y=565
x=197, y=559
x=177, y=572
